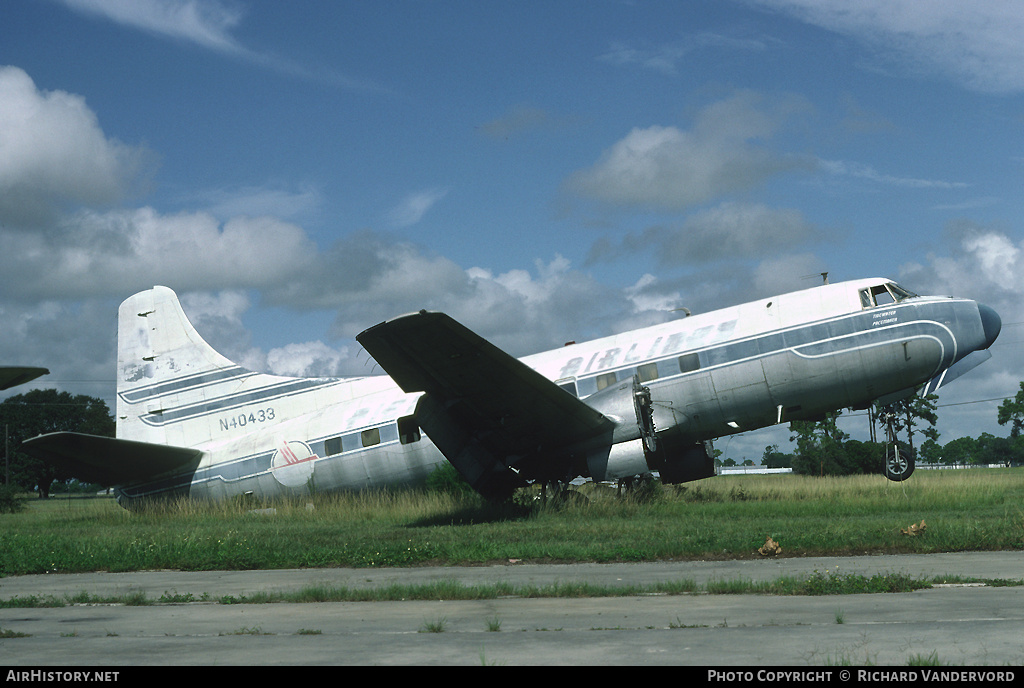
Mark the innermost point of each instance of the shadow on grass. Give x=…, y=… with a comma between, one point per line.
x=472, y=514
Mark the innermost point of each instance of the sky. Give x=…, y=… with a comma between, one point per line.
x=543, y=171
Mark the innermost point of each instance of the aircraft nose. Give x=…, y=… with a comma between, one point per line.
x=991, y=323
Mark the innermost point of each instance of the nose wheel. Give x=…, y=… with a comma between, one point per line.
x=899, y=461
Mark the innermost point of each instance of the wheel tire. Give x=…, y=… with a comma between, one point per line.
x=898, y=465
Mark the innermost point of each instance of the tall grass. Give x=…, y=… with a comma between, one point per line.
x=725, y=517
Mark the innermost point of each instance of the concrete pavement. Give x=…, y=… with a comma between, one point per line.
x=957, y=625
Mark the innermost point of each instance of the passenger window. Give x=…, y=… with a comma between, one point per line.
x=370, y=437
x=689, y=363
x=647, y=372
x=332, y=446
x=606, y=380
x=408, y=430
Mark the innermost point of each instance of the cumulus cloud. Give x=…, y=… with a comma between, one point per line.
x=55, y=154
x=59, y=171
x=983, y=263
x=529, y=311
x=664, y=167
x=308, y=359
x=368, y=277
x=92, y=253
x=521, y=311
x=976, y=44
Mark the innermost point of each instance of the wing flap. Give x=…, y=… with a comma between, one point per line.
x=504, y=404
x=107, y=460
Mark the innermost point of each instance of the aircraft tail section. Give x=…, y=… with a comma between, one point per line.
x=174, y=388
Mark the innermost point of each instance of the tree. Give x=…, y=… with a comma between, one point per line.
x=864, y=457
x=931, y=451
x=906, y=414
x=43, y=411
x=773, y=458
x=1012, y=411
x=996, y=450
x=819, y=446
x=960, y=452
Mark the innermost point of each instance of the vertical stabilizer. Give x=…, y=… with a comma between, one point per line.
x=162, y=365
x=174, y=388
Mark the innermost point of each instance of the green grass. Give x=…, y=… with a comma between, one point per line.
x=720, y=518
x=816, y=583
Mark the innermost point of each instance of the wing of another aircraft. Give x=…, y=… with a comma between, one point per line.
x=107, y=460
x=481, y=406
x=11, y=376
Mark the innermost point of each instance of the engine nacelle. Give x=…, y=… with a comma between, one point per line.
x=637, y=448
x=678, y=462
x=622, y=460
x=673, y=461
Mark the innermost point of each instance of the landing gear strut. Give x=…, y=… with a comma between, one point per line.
x=558, y=492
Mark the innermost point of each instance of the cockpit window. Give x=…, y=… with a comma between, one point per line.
x=899, y=293
x=884, y=294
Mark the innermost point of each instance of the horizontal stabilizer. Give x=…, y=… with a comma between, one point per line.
x=107, y=460
x=965, y=364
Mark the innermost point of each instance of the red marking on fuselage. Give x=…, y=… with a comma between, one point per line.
x=290, y=459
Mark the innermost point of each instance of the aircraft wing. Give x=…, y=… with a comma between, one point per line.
x=11, y=376
x=107, y=460
x=501, y=403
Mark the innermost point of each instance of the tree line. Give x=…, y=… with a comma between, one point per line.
x=43, y=411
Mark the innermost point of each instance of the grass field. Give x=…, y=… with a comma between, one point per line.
x=724, y=517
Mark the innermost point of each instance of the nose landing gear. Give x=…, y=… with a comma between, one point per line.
x=899, y=461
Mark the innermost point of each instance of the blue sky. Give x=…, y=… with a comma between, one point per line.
x=542, y=171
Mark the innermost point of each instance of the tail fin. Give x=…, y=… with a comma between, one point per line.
x=174, y=388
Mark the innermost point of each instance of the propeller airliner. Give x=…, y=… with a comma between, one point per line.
x=192, y=423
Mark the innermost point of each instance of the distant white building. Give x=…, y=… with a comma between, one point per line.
x=750, y=470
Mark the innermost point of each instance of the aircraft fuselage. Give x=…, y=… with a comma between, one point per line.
x=789, y=357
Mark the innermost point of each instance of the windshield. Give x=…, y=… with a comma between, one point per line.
x=898, y=292
x=884, y=294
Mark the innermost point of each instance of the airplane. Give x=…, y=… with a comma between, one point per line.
x=649, y=401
